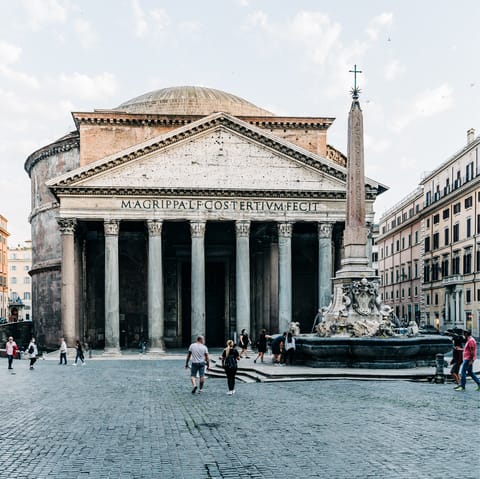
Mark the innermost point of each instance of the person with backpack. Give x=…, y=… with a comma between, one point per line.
x=230, y=358
x=63, y=351
x=32, y=352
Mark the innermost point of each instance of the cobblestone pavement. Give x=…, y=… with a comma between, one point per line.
x=138, y=419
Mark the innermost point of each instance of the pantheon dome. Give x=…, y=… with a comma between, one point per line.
x=191, y=100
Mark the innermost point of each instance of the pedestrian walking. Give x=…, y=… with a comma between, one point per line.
x=289, y=349
x=11, y=350
x=469, y=356
x=63, y=351
x=457, y=358
x=230, y=358
x=244, y=342
x=32, y=352
x=261, y=345
x=198, y=352
x=80, y=355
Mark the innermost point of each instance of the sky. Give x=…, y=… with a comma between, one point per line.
x=420, y=82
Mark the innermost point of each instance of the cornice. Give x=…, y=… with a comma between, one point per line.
x=62, y=145
x=45, y=266
x=136, y=119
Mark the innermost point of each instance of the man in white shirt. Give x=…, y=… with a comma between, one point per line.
x=199, y=354
x=63, y=352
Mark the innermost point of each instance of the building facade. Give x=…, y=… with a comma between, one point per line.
x=3, y=269
x=430, y=246
x=19, y=282
x=185, y=211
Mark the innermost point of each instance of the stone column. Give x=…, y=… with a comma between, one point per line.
x=453, y=316
x=112, y=297
x=68, y=296
x=369, y=245
x=324, y=264
x=156, y=314
x=446, y=305
x=197, y=229
x=242, y=233
x=284, y=275
x=458, y=317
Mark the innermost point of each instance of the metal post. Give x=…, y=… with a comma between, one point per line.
x=439, y=373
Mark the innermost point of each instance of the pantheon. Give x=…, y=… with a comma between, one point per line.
x=185, y=211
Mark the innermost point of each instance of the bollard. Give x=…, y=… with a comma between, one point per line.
x=439, y=374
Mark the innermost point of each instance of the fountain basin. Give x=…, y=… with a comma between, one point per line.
x=395, y=352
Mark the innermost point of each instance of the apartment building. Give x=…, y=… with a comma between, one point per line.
x=19, y=282
x=3, y=269
x=429, y=246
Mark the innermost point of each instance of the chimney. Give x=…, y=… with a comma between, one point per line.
x=470, y=135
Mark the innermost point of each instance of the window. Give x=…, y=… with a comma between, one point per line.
x=469, y=171
x=468, y=202
x=456, y=264
x=469, y=227
x=456, y=208
x=467, y=262
x=396, y=294
x=435, y=240
x=436, y=219
x=14, y=280
x=403, y=293
x=416, y=237
x=428, y=222
x=468, y=296
x=435, y=271
x=446, y=213
x=478, y=224
x=386, y=250
x=26, y=280
x=436, y=298
x=13, y=268
x=478, y=259
x=456, y=232
x=409, y=240
x=426, y=273
x=416, y=269
x=26, y=268
x=427, y=244
x=445, y=267
x=446, y=235
x=26, y=295
x=427, y=298
x=416, y=291
x=398, y=245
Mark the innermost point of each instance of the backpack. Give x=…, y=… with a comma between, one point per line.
x=230, y=361
x=31, y=349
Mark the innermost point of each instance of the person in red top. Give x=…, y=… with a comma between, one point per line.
x=469, y=356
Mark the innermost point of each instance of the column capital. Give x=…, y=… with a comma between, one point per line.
x=197, y=229
x=154, y=227
x=325, y=230
x=242, y=228
x=67, y=225
x=285, y=230
x=111, y=227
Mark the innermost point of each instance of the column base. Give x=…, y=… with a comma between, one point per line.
x=111, y=352
x=155, y=352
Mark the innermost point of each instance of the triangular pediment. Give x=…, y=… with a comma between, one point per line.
x=217, y=152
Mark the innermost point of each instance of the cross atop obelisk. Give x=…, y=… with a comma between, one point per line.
x=355, y=90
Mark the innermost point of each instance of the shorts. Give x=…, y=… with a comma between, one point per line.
x=198, y=368
x=455, y=368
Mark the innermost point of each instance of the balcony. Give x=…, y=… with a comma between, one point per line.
x=452, y=280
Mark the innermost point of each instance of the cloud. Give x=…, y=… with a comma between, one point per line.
x=426, y=104
x=161, y=19
x=85, y=33
x=190, y=26
x=141, y=25
x=81, y=86
x=378, y=23
x=376, y=145
x=9, y=53
x=44, y=13
x=393, y=69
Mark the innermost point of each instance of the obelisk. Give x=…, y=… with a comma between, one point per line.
x=355, y=262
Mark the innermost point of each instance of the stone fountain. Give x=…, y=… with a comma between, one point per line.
x=356, y=329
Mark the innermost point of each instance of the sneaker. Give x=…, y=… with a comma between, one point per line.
x=229, y=393
x=83, y=364
x=459, y=388
x=74, y=364
x=200, y=391
x=194, y=390
x=233, y=392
